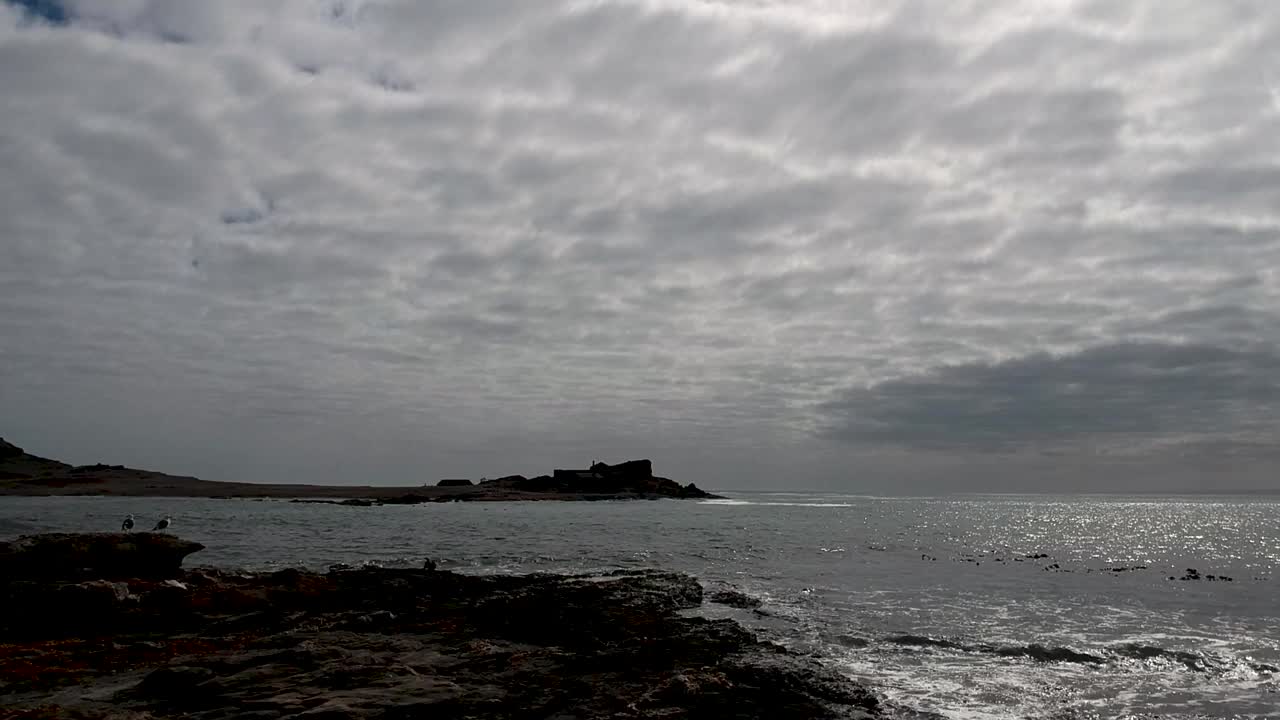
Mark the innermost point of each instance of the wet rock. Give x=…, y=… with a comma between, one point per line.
x=380, y=618
x=1040, y=653
x=99, y=593
x=734, y=598
x=1138, y=651
x=173, y=682
x=401, y=643
x=1192, y=575
x=850, y=641
x=923, y=641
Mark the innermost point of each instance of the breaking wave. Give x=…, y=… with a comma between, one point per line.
x=775, y=503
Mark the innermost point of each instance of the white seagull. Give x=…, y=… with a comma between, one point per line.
x=127, y=525
x=162, y=525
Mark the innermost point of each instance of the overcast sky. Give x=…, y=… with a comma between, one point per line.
x=876, y=246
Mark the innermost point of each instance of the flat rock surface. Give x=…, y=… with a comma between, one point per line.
x=95, y=555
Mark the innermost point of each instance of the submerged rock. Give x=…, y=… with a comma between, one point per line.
x=1040, y=653
x=734, y=598
x=923, y=641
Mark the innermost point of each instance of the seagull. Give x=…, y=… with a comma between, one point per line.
x=127, y=525
x=162, y=525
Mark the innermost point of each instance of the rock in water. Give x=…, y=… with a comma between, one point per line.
x=734, y=598
x=96, y=555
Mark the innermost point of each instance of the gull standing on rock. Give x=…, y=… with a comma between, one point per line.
x=162, y=525
x=127, y=525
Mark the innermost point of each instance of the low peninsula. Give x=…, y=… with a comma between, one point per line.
x=24, y=474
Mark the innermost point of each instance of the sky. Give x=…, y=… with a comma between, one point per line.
x=870, y=246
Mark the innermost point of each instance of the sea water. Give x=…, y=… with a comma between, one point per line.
x=955, y=605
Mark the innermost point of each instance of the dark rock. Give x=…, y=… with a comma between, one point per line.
x=633, y=477
x=174, y=681
x=392, y=643
x=693, y=491
x=922, y=641
x=379, y=618
x=65, y=607
x=851, y=641
x=99, y=555
x=734, y=598
x=1138, y=651
x=8, y=449
x=100, y=593
x=1041, y=653
x=455, y=482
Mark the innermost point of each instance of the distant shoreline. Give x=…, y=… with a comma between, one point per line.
x=25, y=475
x=170, y=486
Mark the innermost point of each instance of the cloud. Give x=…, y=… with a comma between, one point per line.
x=502, y=232
x=1116, y=399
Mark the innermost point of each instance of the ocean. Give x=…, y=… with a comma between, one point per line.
x=966, y=606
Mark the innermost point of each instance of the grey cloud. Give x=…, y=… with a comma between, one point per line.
x=555, y=226
x=1255, y=187
x=1109, y=399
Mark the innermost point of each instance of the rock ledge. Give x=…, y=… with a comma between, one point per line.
x=383, y=643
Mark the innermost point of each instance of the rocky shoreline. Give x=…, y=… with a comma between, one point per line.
x=110, y=626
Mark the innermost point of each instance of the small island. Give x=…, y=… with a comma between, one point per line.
x=24, y=474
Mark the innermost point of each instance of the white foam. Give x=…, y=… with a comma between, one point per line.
x=786, y=504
